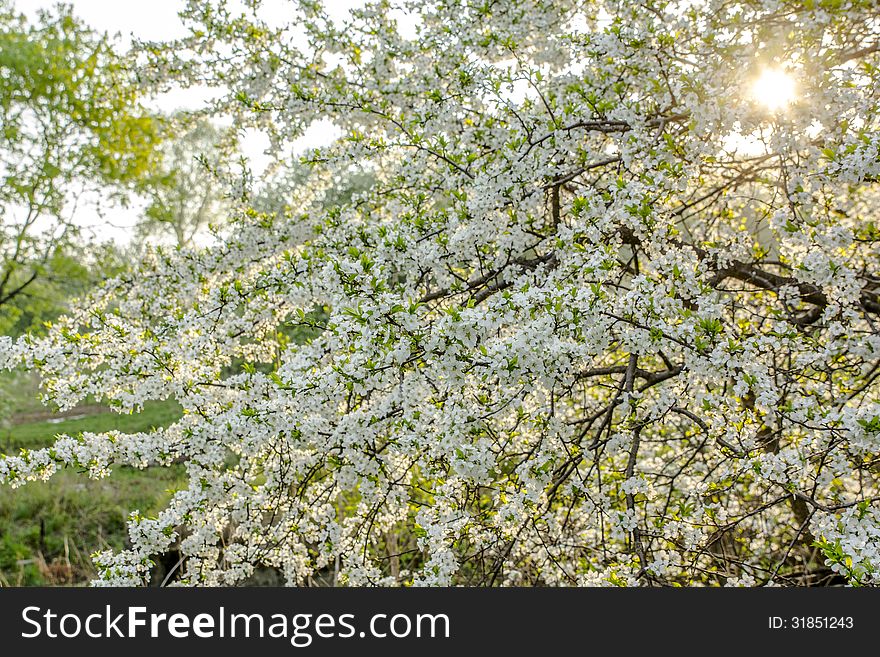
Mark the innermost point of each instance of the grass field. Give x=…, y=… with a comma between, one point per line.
x=48, y=530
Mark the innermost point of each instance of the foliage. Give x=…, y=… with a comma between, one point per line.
x=601, y=317
x=71, y=270
x=70, y=126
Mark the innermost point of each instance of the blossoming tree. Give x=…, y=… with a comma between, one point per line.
x=604, y=316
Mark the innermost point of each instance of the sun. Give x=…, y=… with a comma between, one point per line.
x=774, y=88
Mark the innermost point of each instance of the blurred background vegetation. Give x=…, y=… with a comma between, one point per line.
x=80, y=142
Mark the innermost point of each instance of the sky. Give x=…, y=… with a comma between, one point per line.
x=154, y=20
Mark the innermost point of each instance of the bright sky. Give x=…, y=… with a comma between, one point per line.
x=156, y=19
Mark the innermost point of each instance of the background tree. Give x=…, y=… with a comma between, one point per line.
x=71, y=129
x=277, y=194
x=603, y=316
x=190, y=193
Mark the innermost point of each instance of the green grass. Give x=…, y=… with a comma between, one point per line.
x=41, y=434
x=48, y=530
x=19, y=393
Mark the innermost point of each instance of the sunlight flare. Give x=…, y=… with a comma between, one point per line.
x=774, y=89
